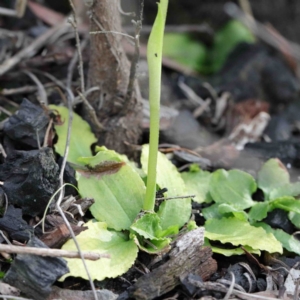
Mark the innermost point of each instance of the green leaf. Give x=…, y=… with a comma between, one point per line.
x=238, y=232
x=148, y=227
x=289, y=189
x=197, y=183
x=154, y=59
x=152, y=246
x=295, y=218
x=259, y=211
x=97, y=238
x=287, y=241
x=230, y=252
x=229, y=210
x=183, y=49
x=273, y=175
x=217, y=211
x=234, y=187
x=211, y=212
x=191, y=225
x=171, y=212
x=286, y=203
x=116, y=187
x=226, y=39
x=81, y=135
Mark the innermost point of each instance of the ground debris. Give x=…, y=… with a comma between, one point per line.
x=30, y=179
x=6, y=289
x=66, y=294
x=34, y=275
x=58, y=233
x=28, y=125
x=14, y=225
x=187, y=256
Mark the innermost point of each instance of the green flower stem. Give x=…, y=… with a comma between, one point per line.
x=154, y=56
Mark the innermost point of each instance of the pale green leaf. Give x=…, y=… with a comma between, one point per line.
x=81, y=135
x=97, y=238
x=287, y=240
x=241, y=233
x=272, y=176
x=171, y=212
x=234, y=187
x=197, y=183
x=116, y=187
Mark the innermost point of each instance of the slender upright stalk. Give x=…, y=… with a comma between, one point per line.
x=154, y=56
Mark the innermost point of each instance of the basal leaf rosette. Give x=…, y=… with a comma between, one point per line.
x=174, y=212
x=149, y=235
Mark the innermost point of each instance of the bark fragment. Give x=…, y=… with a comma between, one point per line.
x=186, y=257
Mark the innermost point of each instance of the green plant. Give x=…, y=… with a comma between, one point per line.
x=125, y=216
x=199, y=57
x=154, y=56
x=235, y=217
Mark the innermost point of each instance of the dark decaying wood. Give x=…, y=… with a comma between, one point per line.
x=188, y=256
x=109, y=70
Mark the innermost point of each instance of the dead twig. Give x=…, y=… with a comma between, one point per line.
x=50, y=252
x=112, y=32
x=73, y=63
x=70, y=100
x=93, y=116
x=204, y=28
x=58, y=82
x=31, y=49
x=78, y=99
x=246, y=7
x=231, y=287
x=73, y=22
x=45, y=144
x=18, y=10
x=24, y=89
x=178, y=197
x=2, y=109
x=122, y=12
x=135, y=58
x=5, y=297
x=261, y=30
x=43, y=99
